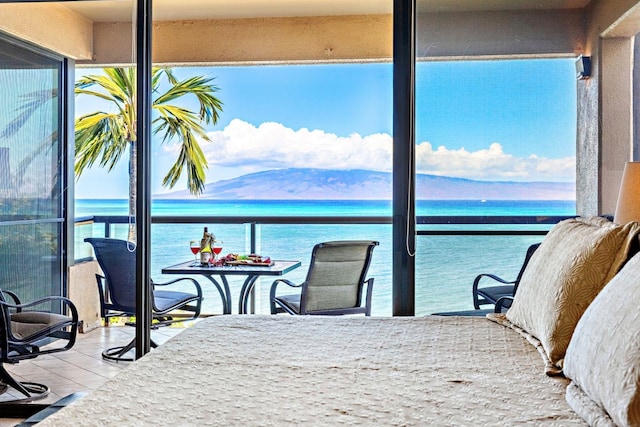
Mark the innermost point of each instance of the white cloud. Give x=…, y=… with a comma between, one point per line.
x=271, y=145
x=492, y=163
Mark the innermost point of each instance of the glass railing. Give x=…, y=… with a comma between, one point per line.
x=450, y=251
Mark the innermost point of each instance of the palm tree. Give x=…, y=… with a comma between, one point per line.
x=104, y=136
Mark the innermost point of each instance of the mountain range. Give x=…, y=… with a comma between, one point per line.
x=358, y=184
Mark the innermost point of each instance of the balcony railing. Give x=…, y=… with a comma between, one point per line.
x=450, y=251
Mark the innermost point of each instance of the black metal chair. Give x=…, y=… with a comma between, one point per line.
x=334, y=283
x=117, y=291
x=26, y=328
x=491, y=294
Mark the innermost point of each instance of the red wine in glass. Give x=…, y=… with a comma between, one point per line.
x=195, y=248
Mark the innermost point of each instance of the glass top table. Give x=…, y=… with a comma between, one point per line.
x=251, y=272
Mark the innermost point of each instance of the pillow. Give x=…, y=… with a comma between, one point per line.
x=603, y=358
x=574, y=261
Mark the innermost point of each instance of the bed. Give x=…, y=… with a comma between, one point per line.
x=263, y=370
x=577, y=303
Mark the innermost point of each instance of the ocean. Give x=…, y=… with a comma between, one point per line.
x=445, y=265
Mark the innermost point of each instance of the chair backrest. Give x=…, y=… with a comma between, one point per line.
x=117, y=259
x=336, y=275
x=527, y=258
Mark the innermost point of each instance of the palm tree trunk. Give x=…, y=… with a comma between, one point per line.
x=133, y=173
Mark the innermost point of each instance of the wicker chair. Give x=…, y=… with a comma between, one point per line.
x=334, y=283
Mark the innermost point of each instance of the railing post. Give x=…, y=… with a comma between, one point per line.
x=252, y=237
x=253, y=245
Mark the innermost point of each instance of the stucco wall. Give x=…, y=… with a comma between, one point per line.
x=51, y=26
x=347, y=38
x=605, y=114
x=587, y=144
x=265, y=40
x=500, y=34
x=83, y=291
x=616, y=134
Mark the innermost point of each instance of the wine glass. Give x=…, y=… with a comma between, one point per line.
x=195, y=248
x=217, y=248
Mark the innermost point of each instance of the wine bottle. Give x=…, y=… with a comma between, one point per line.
x=205, y=247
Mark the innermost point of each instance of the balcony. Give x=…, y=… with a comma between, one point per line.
x=451, y=251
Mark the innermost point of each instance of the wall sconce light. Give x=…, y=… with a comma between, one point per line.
x=628, y=206
x=583, y=67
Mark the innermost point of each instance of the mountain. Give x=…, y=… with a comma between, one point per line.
x=358, y=184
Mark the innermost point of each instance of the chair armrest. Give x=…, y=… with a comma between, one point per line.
x=14, y=297
x=476, y=282
x=189, y=279
x=66, y=302
x=272, y=292
x=503, y=302
x=369, y=283
x=102, y=294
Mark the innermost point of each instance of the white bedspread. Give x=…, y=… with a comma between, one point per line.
x=275, y=370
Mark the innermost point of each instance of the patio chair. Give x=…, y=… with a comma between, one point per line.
x=491, y=294
x=24, y=331
x=334, y=283
x=117, y=291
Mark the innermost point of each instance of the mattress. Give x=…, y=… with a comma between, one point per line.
x=312, y=370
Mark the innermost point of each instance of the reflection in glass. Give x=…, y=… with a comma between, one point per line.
x=31, y=172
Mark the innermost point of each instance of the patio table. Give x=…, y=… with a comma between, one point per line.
x=251, y=271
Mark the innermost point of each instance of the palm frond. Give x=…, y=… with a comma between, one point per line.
x=200, y=87
x=176, y=122
x=99, y=137
x=192, y=159
x=117, y=83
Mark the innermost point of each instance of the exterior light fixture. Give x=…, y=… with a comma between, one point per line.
x=583, y=67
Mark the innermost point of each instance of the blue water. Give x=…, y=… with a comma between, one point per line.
x=329, y=207
x=445, y=265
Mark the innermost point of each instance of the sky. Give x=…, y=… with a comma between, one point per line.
x=487, y=120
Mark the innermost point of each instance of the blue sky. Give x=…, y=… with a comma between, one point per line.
x=490, y=120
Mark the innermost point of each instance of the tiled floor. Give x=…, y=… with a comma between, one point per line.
x=80, y=369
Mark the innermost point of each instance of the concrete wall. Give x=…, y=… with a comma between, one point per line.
x=347, y=38
x=83, y=291
x=263, y=40
x=616, y=134
x=500, y=34
x=50, y=26
x=605, y=105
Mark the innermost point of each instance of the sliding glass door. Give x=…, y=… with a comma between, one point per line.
x=32, y=171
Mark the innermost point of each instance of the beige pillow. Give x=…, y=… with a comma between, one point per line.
x=574, y=261
x=603, y=358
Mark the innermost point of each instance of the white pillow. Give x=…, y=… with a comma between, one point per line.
x=573, y=263
x=603, y=358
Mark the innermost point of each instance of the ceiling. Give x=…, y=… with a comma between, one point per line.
x=165, y=10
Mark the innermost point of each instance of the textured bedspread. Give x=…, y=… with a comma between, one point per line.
x=261, y=370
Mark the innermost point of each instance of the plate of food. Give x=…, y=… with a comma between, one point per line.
x=251, y=259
